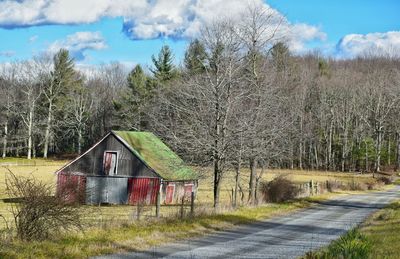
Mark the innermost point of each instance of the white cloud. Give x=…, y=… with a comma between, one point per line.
x=33, y=38
x=7, y=53
x=78, y=43
x=145, y=19
x=302, y=33
x=375, y=44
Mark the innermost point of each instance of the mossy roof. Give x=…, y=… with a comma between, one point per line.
x=158, y=156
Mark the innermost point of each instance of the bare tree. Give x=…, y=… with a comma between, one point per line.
x=37, y=213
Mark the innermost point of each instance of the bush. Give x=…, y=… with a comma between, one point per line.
x=332, y=186
x=385, y=180
x=357, y=186
x=279, y=189
x=39, y=215
x=352, y=245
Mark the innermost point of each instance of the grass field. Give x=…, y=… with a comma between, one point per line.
x=43, y=170
x=140, y=235
x=383, y=231
x=115, y=228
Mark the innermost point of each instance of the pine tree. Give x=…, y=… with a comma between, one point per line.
x=195, y=57
x=137, y=81
x=62, y=77
x=164, y=69
x=280, y=54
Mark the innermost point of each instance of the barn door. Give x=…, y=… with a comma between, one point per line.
x=169, y=197
x=110, y=161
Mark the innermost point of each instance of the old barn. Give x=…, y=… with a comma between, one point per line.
x=126, y=167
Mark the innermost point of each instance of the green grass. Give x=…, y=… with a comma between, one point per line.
x=157, y=155
x=352, y=245
x=377, y=237
x=383, y=230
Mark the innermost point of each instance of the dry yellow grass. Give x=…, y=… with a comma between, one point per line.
x=44, y=171
x=115, y=228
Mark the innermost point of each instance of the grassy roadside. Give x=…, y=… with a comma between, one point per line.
x=377, y=237
x=144, y=234
x=382, y=229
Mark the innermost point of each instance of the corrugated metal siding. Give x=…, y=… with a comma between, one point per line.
x=174, y=191
x=92, y=162
x=71, y=188
x=143, y=190
x=113, y=190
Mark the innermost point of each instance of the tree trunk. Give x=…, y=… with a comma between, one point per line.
x=5, y=140
x=301, y=144
x=216, y=183
x=253, y=177
x=30, y=131
x=291, y=157
x=330, y=147
x=316, y=156
x=388, y=152
x=366, y=156
x=237, y=177
x=79, y=140
x=259, y=177
x=397, y=151
x=378, y=150
x=48, y=128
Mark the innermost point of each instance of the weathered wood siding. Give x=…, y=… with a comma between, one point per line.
x=92, y=162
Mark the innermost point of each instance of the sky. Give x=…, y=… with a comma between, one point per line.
x=130, y=31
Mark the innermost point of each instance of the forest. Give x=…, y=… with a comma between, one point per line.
x=239, y=98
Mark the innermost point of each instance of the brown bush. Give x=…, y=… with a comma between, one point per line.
x=39, y=214
x=333, y=185
x=357, y=186
x=385, y=180
x=279, y=189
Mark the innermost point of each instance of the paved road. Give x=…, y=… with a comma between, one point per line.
x=284, y=237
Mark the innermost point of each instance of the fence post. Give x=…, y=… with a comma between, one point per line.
x=158, y=201
x=192, y=204
x=182, y=208
x=312, y=187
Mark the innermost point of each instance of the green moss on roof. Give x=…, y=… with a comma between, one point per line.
x=157, y=155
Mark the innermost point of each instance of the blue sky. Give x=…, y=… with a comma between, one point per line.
x=131, y=31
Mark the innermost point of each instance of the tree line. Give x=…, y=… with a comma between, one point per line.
x=239, y=98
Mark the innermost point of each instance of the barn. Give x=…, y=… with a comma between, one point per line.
x=126, y=167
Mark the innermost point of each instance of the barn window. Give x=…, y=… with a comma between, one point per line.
x=110, y=162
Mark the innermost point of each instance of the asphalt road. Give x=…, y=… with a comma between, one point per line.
x=284, y=237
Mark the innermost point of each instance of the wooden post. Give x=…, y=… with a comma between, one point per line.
x=158, y=201
x=192, y=204
x=312, y=187
x=182, y=208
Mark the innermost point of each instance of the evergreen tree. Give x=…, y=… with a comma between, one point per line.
x=280, y=54
x=61, y=78
x=195, y=57
x=64, y=74
x=164, y=69
x=138, y=81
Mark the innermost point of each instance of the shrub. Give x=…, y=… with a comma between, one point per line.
x=39, y=214
x=279, y=189
x=385, y=180
x=351, y=245
x=332, y=186
x=357, y=186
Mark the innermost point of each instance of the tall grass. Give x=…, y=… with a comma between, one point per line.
x=352, y=245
